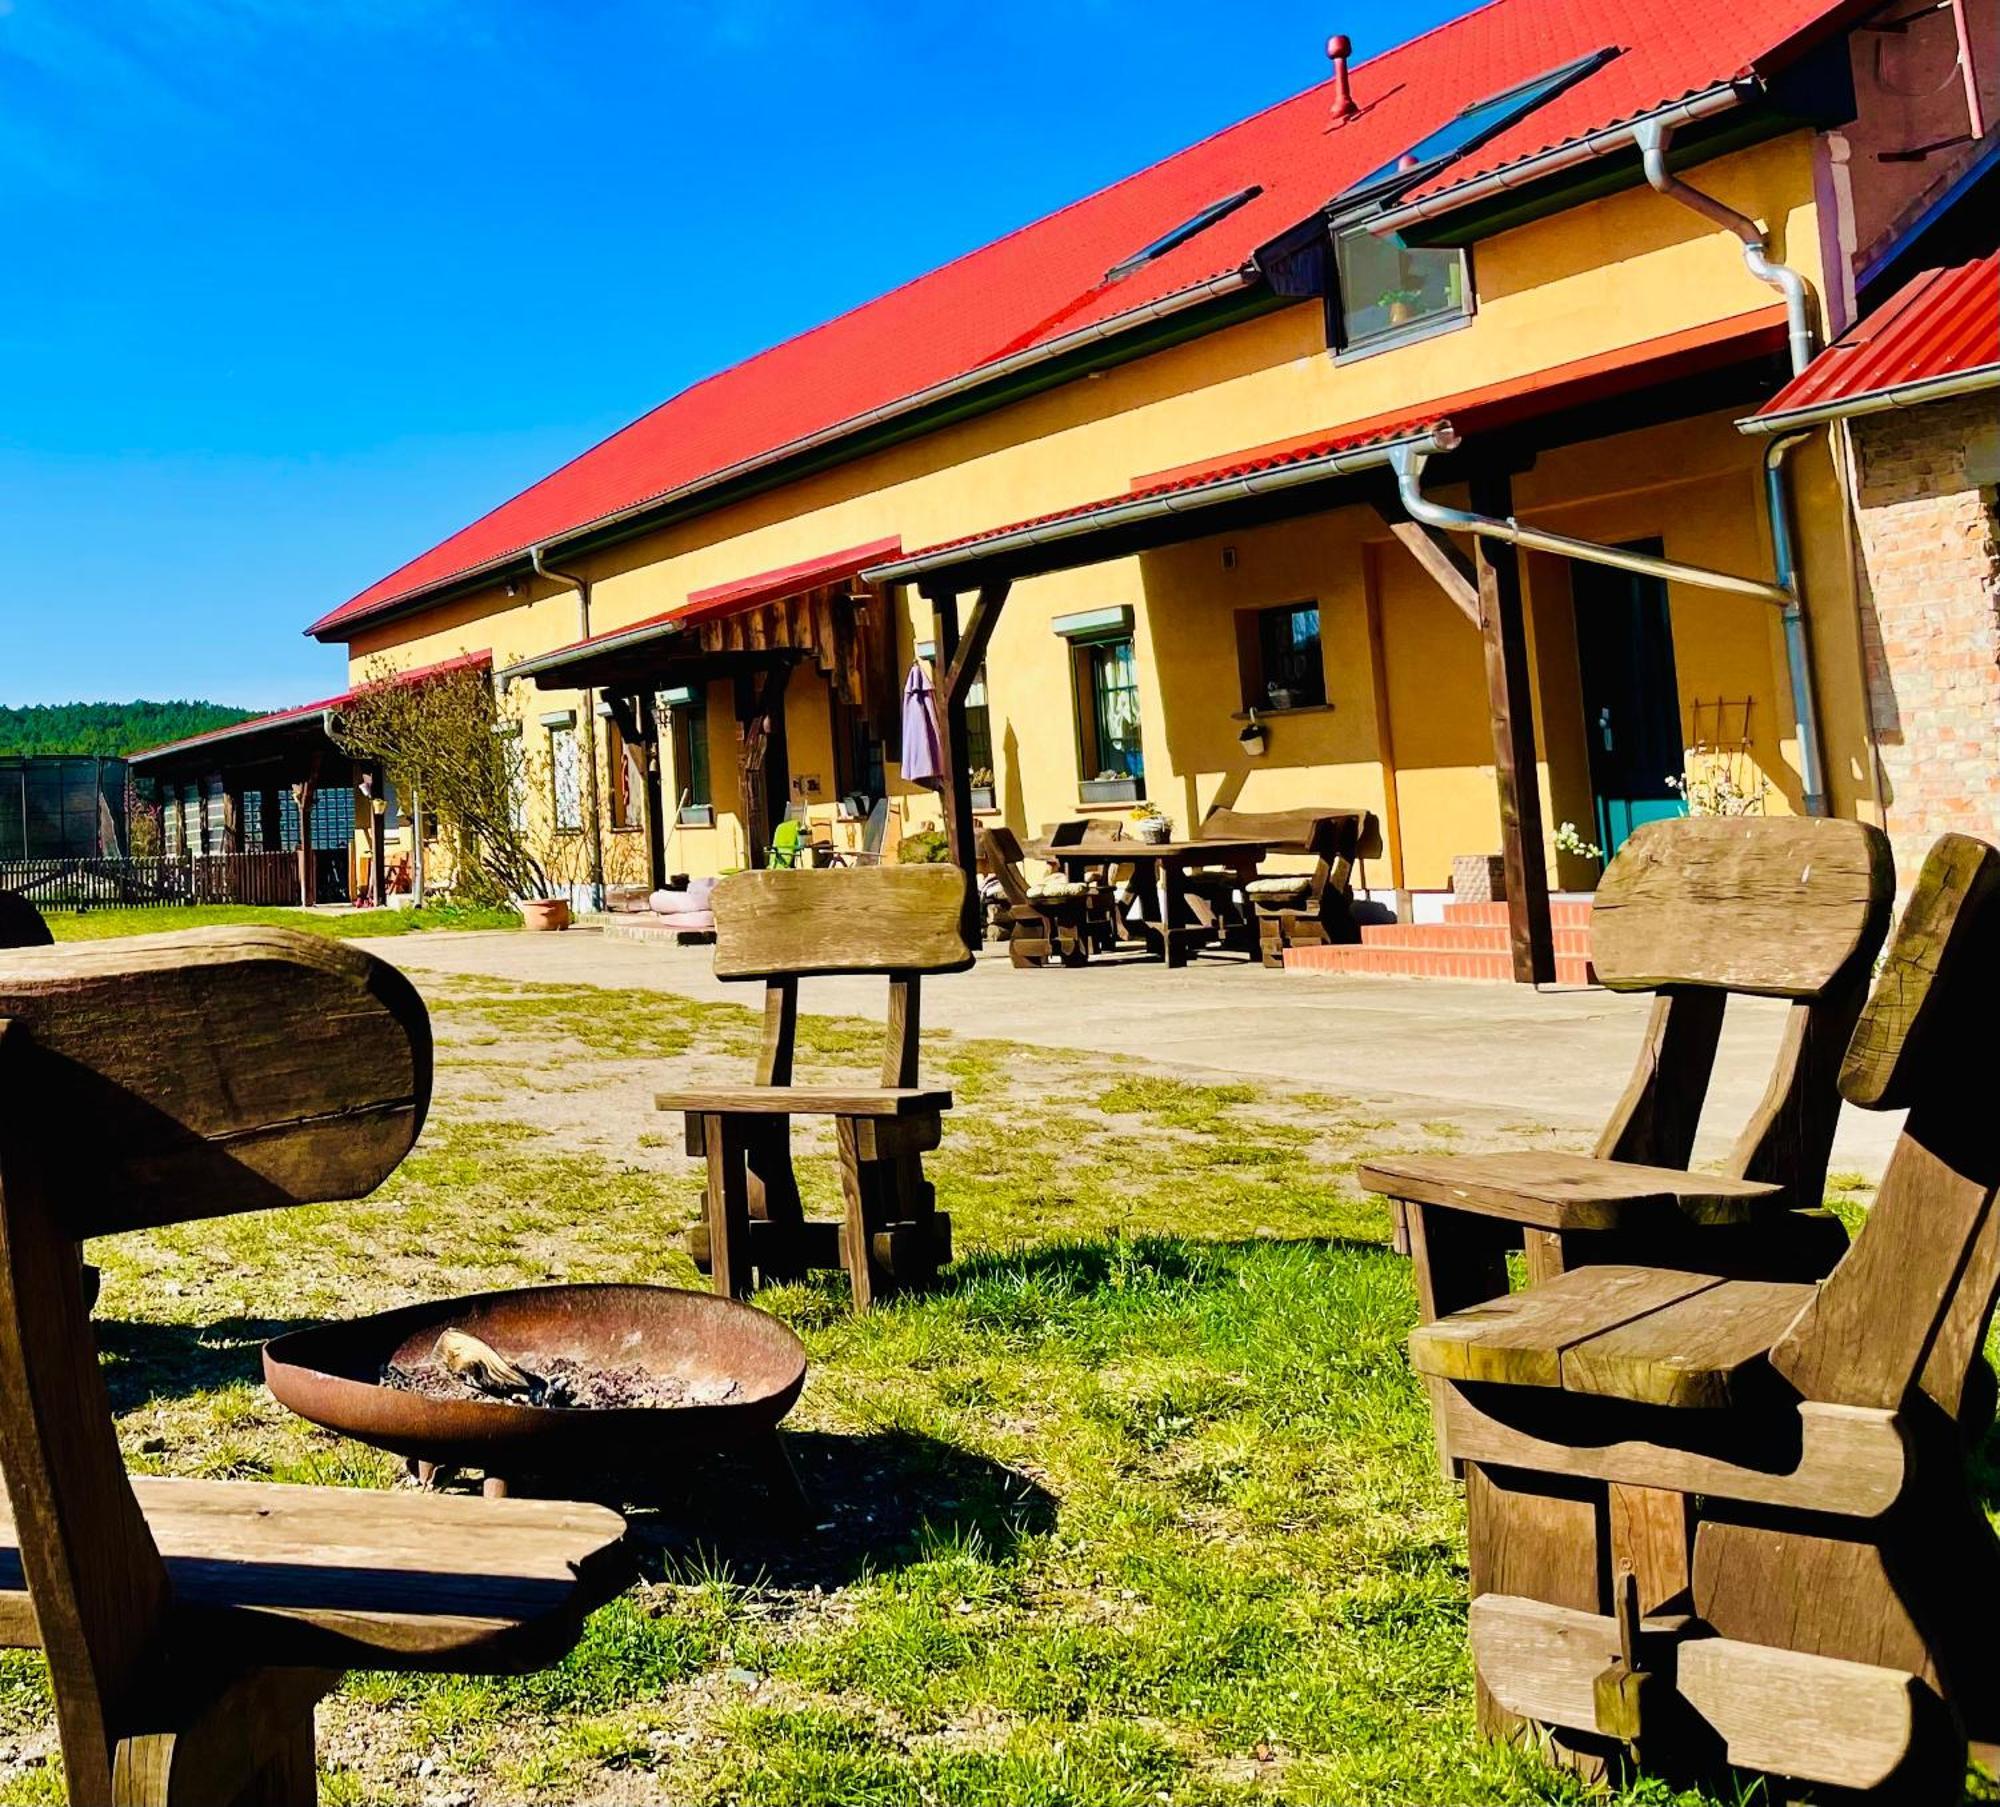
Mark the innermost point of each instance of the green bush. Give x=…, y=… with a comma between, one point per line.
x=927, y=847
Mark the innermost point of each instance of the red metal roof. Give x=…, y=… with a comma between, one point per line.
x=278, y=718
x=1940, y=324
x=1671, y=357
x=1047, y=280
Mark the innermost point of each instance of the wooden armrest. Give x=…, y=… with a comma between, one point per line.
x=350, y=1577
x=1568, y=1191
x=1654, y=1336
x=806, y=1101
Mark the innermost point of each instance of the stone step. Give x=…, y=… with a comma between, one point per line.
x=1464, y=937
x=1564, y=913
x=1425, y=963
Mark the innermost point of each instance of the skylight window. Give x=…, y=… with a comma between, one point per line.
x=1477, y=123
x=1200, y=222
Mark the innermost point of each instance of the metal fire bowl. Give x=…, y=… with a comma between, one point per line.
x=330, y=1374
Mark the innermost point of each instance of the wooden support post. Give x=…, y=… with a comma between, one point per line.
x=1510, y=699
x=958, y=663
x=304, y=794
x=754, y=709
x=378, y=838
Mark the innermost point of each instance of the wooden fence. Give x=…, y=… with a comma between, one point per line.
x=96, y=884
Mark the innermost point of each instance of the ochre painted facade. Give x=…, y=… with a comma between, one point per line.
x=1406, y=730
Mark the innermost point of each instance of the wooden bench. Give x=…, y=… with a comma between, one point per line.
x=1281, y=910
x=1060, y=919
x=190, y=1626
x=1729, y=1519
x=898, y=921
x=1694, y=912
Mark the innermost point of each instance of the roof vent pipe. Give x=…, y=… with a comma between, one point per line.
x=1338, y=50
x=1653, y=136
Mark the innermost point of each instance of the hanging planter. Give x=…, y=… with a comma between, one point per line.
x=1254, y=739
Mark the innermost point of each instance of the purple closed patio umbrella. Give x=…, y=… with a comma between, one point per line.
x=923, y=751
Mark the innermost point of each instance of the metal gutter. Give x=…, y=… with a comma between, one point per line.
x=1037, y=535
x=1878, y=401
x=1232, y=282
x=260, y=724
x=1798, y=653
x=1705, y=105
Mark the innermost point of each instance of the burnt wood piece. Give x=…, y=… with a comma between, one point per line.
x=1696, y=943
x=1804, y=1495
x=189, y=1627
x=900, y=922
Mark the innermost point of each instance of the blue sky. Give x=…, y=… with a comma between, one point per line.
x=294, y=288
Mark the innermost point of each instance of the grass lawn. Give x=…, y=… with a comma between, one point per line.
x=1138, y=1507
x=95, y=925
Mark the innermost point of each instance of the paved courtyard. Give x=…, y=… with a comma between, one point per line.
x=1484, y=1060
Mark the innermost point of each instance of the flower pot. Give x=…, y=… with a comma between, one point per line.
x=1150, y=829
x=545, y=914
x=1399, y=313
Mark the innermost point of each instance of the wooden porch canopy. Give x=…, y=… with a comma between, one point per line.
x=1480, y=437
x=756, y=630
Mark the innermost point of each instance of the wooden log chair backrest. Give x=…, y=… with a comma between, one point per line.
x=1699, y=908
x=21, y=924
x=899, y=921
x=1908, y=1306
x=152, y=1081
x=1336, y=838
x=1002, y=850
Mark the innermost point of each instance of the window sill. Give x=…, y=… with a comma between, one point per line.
x=1243, y=715
x=1413, y=334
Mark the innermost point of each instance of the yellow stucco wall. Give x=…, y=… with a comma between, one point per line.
x=1624, y=269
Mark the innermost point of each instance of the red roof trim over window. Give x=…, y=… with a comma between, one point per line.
x=1695, y=351
x=299, y=712
x=1941, y=324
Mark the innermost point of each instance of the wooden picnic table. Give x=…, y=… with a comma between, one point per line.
x=1170, y=915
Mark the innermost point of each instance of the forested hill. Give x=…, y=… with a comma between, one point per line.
x=108, y=728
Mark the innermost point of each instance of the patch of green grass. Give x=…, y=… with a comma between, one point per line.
x=98, y=925
x=1139, y=1505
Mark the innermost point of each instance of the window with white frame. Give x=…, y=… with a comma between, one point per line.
x=566, y=774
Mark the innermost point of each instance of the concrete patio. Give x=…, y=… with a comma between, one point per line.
x=1487, y=1060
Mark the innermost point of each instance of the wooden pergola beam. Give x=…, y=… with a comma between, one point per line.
x=1447, y=567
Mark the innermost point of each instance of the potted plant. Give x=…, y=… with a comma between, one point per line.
x=1401, y=304
x=982, y=787
x=1148, y=822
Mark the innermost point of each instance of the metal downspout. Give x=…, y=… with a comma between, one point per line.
x=1798, y=651
x=1653, y=136
x=1408, y=463
x=593, y=820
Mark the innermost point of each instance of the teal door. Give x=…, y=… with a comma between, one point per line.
x=1631, y=702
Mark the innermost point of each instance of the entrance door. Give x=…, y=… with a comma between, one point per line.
x=1631, y=703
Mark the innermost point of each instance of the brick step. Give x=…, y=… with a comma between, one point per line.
x=1464, y=937
x=1425, y=963
x=1563, y=913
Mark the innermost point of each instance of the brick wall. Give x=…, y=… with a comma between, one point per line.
x=1931, y=618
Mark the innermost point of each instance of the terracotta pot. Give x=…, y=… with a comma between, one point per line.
x=545, y=913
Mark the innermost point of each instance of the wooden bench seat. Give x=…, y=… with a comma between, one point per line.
x=809, y=1100
x=1569, y=1191
x=1653, y=1336
x=337, y=1577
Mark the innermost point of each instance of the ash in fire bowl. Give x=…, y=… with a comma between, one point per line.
x=462, y=1367
x=567, y=1382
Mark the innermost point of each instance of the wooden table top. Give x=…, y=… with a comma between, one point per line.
x=1125, y=852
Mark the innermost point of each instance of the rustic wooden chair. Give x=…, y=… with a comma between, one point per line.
x=190, y=1626
x=1267, y=914
x=1731, y=1520
x=21, y=924
x=898, y=921
x=1695, y=912
x=1043, y=919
